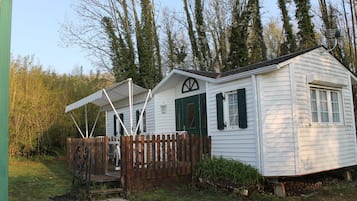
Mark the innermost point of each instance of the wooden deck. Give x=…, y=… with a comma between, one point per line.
x=146, y=161
x=93, y=193
x=108, y=177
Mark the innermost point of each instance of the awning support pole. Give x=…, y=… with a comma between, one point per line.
x=95, y=123
x=86, y=118
x=130, y=104
x=142, y=111
x=115, y=111
x=75, y=122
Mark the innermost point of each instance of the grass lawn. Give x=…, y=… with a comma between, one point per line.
x=190, y=193
x=333, y=192
x=37, y=180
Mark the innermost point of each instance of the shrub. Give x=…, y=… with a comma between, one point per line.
x=220, y=171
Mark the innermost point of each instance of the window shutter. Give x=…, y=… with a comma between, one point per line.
x=115, y=133
x=242, y=108
x=121, y=127
x=144, y=121
x=220, y=116
x=137, y=119
x=178, y=112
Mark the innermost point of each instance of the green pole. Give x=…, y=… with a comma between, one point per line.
x=5, y=33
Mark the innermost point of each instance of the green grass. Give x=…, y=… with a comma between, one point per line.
x=37, y=179
x=191, y=193
x=343, y=191
x=31, y=180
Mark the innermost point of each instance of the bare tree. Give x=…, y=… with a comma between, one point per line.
x=273, y=37
x=218, y=22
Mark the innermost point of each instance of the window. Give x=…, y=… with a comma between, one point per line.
x=116, y=123
x=335, y=107
x=325, y=105
x=231, y=109
x=190, y=84
x=314, y=112
x=142, y=126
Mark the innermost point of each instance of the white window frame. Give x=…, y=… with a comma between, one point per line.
x=226, y=110
x=328, y=90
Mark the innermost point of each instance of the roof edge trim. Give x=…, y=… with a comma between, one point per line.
x=84, y=101
x=262, y=70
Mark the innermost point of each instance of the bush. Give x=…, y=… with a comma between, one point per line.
x=220, y=171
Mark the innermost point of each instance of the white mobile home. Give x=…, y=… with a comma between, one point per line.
x=289, y=116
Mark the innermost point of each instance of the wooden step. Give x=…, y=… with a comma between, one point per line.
x=104, y=192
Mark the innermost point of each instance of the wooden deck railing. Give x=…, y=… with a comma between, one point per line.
x=155, y=160
x=96, y=159
x=146, y=161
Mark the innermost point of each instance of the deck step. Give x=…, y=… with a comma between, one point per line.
x=104, y=192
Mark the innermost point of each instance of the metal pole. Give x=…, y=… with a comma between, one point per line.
x=95, y=123
x=115, y=111
x=130, y=104
x=5, y=35
x=75, y=122
x=142, y=111
x=86, y=118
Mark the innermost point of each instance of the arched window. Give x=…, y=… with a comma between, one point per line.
x=190, y=84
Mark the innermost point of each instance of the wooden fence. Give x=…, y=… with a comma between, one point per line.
x=146, y=161
x=88, y=155
x=151, y=161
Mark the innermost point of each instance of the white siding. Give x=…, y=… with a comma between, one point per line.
x=109, y=123
x=165, y=122
x=150, y=116
x=238, y=144
x=150, y=120
x=277, y=125
x=323, y=147
x=110, y=120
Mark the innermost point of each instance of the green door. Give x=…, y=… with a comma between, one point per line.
x=191, y=114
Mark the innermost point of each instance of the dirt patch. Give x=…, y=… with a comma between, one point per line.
x=310, y=184
x=64, y=197
x=301, y=188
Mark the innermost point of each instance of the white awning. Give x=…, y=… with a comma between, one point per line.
x=116, y=92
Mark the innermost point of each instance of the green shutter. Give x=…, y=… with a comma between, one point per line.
x=115, y=125
x=242, y=108
x=144, y=121
x=137, y=120
x=178, y=112
x=121, y=127
x=220, y=116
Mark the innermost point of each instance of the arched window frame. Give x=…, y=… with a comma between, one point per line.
x=190, y=84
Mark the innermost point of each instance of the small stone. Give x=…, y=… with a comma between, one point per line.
x=244, y=192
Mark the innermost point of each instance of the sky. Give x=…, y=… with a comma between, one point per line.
x=36, y=31
x=36, y=27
